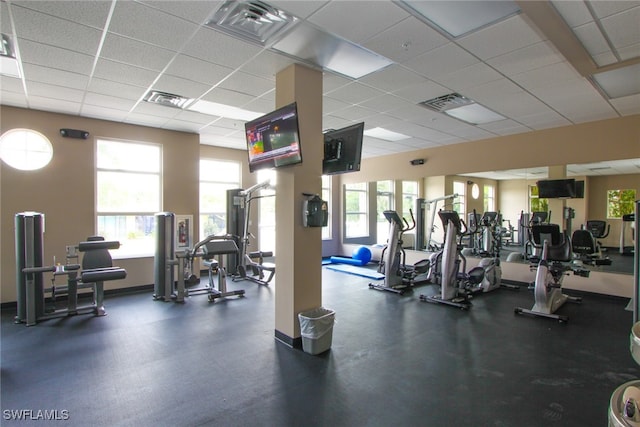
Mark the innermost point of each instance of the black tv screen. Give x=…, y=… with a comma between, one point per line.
x=579, y=189
x=342, y=150
x=557, y=188
x=273, y=140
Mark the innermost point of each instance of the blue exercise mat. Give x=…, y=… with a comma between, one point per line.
x=358, y=271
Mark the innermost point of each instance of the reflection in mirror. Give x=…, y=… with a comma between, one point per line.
x=516, y=194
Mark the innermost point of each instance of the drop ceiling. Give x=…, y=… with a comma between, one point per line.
x=100, y=59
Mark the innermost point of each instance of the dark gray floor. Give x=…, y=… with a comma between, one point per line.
x=394, y=361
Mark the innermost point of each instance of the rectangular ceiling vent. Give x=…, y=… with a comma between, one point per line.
x=446, y=102
x=254, y=20
x=166, y=99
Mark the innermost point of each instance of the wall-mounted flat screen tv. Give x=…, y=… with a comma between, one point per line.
x=273, y=140
x=342, y=150
x=557, y=188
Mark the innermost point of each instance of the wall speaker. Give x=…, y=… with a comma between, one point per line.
x=416, y=162
x=74, y=133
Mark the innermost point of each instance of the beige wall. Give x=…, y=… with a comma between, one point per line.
x=65, y=189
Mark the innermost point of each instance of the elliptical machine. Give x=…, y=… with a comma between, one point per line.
x=455, y=282
x=550, y=271
x=397, y=276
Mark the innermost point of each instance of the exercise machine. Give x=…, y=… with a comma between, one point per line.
x=430, y=206
x=452, y=276
x=397, y=276
x=251, y=264
x=627, y=224
x=585, y=245
x=554, y=264
x=32, y=296
x=211, y=250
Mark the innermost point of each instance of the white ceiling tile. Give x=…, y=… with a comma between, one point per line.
x=103, y=113
x=505, y=127
x=260, y=105
x=333, y=122
x=300, y=9
x=182, y=126
x=441, y=61
x=392, y=77
x=215, y=131
x=386, y=102
x=134, y=52
x=228, y=97
x=574, y=13
x=248, y=84
x=55, y=77
x=267, y=64
x=47, y=90
x=180, y=86
x=121, y=90
x=329, y=105
x=197, y=12
x=54, y=105
x=337, y=18
x=554, y=75
x=197, y=70
x=108, y=101
x=623, y=29
x=13, y=99
x=592, y=39
x=629, y=52
x=422, y=92
x=607, y=58
x=92, y=13
x=150, y=25
x=354, y=93
x=354, y=113
x=55, y=57
x=405, y=40
x=11, y=84
x=141, y=119
x=603, y=9
x=627, y=105
x=526, y=59
x=474, y=75
x=53, y=31
x=213, y=46
x=506, y=36
x=332, y=81
x=123, y=73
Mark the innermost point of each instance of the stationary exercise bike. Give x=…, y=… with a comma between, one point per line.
x=397, y=276
x=550, y=271
x=455, y=282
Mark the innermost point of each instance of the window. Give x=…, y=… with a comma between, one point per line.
x=460, y=188
x=385, y=196
x=216, y=177
x=409, y=197
x=489, y=198
x=267, y=212
x=355, y=201
x=326, y=196
x=25, y=149
x=620, y=202
x=128, y=194
x=536, y=204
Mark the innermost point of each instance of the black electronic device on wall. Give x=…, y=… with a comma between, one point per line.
x=74, y=133
x=315, y=211
x=557, y=188
x=343, y=150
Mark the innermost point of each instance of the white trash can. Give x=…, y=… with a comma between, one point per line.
x=316, y=329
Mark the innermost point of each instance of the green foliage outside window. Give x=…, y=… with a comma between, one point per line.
x=620, y=202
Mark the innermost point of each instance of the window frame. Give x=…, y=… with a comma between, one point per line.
x=361, y=214
x=230, y=184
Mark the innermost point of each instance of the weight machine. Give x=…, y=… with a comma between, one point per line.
x=251, y=265
x=422, y=205
x=96, y=269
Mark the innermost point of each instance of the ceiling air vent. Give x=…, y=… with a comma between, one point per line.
x=254, y=21
x=166, y=99
x=446, y=102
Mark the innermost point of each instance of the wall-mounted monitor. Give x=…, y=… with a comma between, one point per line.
x=557, y=188
x=579, y=189
x=273, y=140
x=342, y=150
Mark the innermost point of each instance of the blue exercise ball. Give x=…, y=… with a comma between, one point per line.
x=362, y=254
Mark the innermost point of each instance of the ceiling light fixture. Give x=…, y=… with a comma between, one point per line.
x=222, y=110
x=255, y=21
x=314, y=46
x=387, y=135
x=463, y=108
x=459, y=18
x=8, y=62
